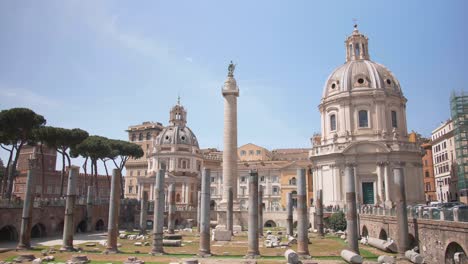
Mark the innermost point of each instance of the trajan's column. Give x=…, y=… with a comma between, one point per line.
x=230, y=93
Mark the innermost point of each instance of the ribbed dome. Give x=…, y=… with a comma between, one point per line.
x=360, y=75
x=177, y=135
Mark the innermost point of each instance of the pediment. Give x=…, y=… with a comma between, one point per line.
x=366, y=147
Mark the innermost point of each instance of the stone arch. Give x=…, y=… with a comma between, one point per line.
x=450, y=251
x=99, y=225
x=364, y=232
x=59, y=227
x=383, y=234
x=38, y=230
x=81, y=227
x=149, y=224
x=270, y=223
x=8, y=233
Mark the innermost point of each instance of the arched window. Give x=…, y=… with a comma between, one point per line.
x=292, y=181
x=363, y=118
x=358, y=52
x=133, y=137
x=148, y=136
x=333, y=122
x=394, y=119
x=140, y=136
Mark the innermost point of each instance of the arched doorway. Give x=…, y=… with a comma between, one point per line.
x=295, y=224
x=364, y=232
x=270, y=223
x=81, y=227
x=8, y=233
x=99, y=225
x=59, y=227
x=452, y=248
x=38, y=230
x=212, y=205
x=383, y=235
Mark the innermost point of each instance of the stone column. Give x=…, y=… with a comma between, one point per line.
x=253, y=250
x=89, y=208
x=68, y=226
x=171, y=211
x=402, y=217
x=302, y=219
x=351, y=213
x=205, y=214
x=289, y=218
x=114, y=204
x=26, y=220
x=380, y=198
x=230, y=212
x=143, y=212
x=260, y=211
x=319, y=211
x=199, y=211
x=388, y=202
x=230, y=93
x=158, y=221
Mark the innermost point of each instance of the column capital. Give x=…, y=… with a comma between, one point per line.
x=399, y=164
x=351, y=164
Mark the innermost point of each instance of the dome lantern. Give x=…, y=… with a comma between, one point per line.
x=178, y=115
x=357, y=46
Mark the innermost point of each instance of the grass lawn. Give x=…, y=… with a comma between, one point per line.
x=323, y=250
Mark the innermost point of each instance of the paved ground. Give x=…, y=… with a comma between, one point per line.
x=57, y=240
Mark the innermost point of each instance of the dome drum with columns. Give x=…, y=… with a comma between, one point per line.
x=363, y=123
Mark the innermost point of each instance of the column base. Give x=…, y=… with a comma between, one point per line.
x=67, y=249
x=111, y=251
x=252, y=256
x=23, y=247
x=157, y=253
x=204, y=254
x=304, y=255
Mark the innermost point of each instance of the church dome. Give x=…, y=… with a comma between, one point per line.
x=359, y=73
x=177, y=133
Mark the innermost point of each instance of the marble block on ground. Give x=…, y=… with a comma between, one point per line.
x=222, y=235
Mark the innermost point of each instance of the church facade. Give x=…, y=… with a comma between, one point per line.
x=363, y=126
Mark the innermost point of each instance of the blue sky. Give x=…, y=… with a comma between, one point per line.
x=104, y=65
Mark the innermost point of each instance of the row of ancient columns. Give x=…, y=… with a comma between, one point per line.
x=68, y=226
x=352, y=229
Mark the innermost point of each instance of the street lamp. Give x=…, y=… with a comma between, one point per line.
x=440, y=182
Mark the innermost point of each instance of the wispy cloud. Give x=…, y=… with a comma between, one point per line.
x=189, y=59
x=13, y=97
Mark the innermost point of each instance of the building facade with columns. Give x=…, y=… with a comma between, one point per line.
x=363, y=125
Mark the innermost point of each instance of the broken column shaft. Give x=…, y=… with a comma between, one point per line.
x=143, y=212
x=289, y=217
x=171, y=211
x=26, y=221
x=68, y=227
x=113, y=223
x=260, y=211
x=319, y=212
x=89, y=209
x=253, y=250
x=158, y=221
x=205, y=214
x=302, y=219
x=351, y=213
x=402, y=217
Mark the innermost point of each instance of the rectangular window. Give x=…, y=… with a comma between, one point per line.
x=259, y=152
x=275, y=190
x=363, y=118
x=394, y=119
x=333, y=122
